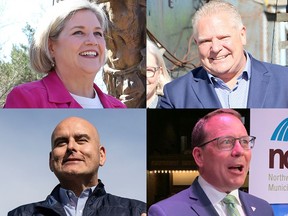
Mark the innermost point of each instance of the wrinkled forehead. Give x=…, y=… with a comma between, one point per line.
x=74, y=126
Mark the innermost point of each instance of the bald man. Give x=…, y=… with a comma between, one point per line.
x=75, y=157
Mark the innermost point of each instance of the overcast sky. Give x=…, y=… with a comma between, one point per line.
x=25, y=144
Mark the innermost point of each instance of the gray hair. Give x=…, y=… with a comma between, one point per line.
x=217, y=7
x=158, y=54
x=51, y=27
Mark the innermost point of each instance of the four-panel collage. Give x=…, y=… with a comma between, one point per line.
x=144, y=107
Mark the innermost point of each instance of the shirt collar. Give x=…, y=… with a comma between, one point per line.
x=235, y=193
x=69, y=197
x=213, y=194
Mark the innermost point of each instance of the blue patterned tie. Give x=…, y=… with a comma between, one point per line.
x=230, y=202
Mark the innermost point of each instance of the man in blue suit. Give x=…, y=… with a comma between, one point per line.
x=229, y=76
x=222, y=152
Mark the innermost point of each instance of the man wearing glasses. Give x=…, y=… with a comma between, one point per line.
x=222, y=152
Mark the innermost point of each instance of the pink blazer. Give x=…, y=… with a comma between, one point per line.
x=50, y=92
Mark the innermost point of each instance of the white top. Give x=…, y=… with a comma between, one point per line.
x=88, y=102
x=216, y=198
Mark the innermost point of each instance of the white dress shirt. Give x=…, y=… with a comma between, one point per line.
x=216, y=198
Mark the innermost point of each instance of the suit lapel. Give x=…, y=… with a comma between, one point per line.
x=248, y=208
x=204, y=90
x=200, y=203
x=260, y=78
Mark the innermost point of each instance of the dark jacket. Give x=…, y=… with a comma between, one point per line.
x=99, y=203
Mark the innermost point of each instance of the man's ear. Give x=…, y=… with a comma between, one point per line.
x=194, y=39
x=51, y=162
x=102, y=153
x=243, y=35
x=197, y=154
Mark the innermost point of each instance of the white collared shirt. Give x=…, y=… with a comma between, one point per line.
x=216, y=198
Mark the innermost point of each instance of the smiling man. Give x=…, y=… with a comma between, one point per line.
x=222, y=152
x=75, y=158
x=229, y=77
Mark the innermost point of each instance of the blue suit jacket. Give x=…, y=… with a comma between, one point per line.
x=268, y=89
x=194, y=202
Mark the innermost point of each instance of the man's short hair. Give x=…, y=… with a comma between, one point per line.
x=199, y=134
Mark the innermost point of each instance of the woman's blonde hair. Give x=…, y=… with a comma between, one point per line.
x=158, y=54
x=52, y=25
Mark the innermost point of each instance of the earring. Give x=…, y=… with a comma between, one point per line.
x=52, y=64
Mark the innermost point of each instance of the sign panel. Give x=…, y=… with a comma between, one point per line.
x=268, y=176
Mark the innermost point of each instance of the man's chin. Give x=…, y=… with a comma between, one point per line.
x=70, y=172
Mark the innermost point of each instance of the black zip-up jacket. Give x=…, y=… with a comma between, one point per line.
x=99, y=203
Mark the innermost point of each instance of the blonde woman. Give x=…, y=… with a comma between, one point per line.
x=156, y=73
x=69, y=46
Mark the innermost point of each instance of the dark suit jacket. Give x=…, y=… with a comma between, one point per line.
x=194, y=202
x=268, y=89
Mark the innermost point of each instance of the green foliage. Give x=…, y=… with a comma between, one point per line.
x=15, y=72
x=29, y=32
x=18, y=70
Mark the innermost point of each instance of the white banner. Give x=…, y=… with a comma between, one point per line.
x=268, y=177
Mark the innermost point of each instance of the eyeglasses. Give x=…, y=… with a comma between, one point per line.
x=227, y=143
x=150, y=71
